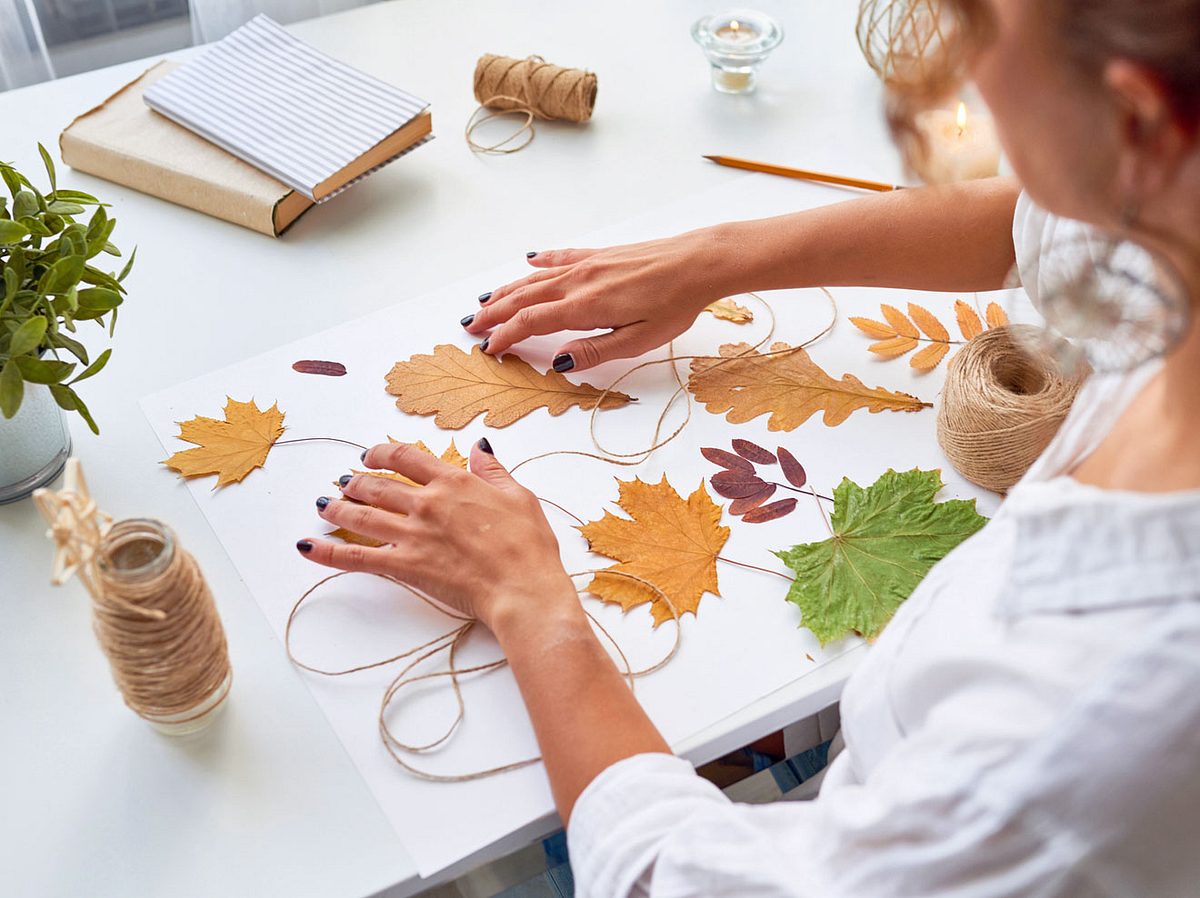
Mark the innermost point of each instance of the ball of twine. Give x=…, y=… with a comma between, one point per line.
x=531, y=87
x=1002, y=404
x=897, y=36
x=156, y=621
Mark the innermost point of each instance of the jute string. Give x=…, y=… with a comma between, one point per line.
x=529, y=87
x=1002, y=403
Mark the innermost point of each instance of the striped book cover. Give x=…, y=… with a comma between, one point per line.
x=310, y=121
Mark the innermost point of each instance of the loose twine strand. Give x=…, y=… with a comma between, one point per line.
x=1001, y=405
x=530, y=87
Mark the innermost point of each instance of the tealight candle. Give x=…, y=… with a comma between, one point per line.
x=960, y=146
x=736, y=43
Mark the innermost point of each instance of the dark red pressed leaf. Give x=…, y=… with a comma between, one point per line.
x=316, y=366
x=792, y=469
x=754, y=452
x=727, y=460
x=770, y=512
x=745, y=504
x=736, y=484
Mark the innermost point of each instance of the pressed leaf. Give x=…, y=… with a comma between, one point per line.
x=928, y=322
x=231, y=448
x=727, y=460
x=457, y=388
x=885, y=539
x=929, y=357
x=996, y=316
x=728, y=310
x=736, y=484
x=893, y=347
x=789, y=387
x=746, y=503
x=793, y=471
x=899, y=321
x=666, y=540
x=753, y=452
x=968, y=320
x=770, y=512
x=873, y=328
x=318, y=366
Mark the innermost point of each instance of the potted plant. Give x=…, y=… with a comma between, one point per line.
x=50, y=282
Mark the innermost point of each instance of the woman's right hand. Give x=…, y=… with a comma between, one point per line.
x=646, y=294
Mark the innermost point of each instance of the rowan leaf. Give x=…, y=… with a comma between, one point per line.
x=666, y=540
x=753, y=452
x=736, y=484
x=899, y=321
x=727, y=460
x=996, y=316
x=748, y=503
x=770, y=512
x=885, y=539
x=232, y=448
x=893, y=347
x=929, y=323
x=728, y=310
x=457, y=387
x=873, y=328
x=968, y=320
x=929, y=357
x=793, y=471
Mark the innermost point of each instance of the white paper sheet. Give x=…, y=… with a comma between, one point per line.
x=741, y=646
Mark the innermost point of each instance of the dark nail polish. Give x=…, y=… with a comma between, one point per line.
x=304, y=546
x=484, y=297
x=344, y=479
x=563, y=362
x=484, y=344
x=363, y=457
x=465, y=322
x=322, y=502
x=486, y=446
x=530, y=255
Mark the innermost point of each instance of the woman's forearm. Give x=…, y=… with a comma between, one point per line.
x=952, y=238
x=583, y=712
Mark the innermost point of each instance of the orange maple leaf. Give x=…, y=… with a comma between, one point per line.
x=667, y=540
x=232, y=448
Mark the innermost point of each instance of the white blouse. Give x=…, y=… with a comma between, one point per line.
x=1027, y=725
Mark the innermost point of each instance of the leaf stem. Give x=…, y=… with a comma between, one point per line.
x=755, y=567
x=322, y=439
x=807, y=492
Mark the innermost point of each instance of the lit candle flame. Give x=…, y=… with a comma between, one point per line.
x=961, y=118
x=735, y=24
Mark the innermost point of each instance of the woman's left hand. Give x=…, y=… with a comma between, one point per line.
x=476, y=540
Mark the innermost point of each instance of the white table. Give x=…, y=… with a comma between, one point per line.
x=266, y=803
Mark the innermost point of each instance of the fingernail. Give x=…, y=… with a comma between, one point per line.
x=344, y=479
x=563, y=362
x=467, y=320
x=530, y=255
x=304, y=546
x=486, y=446
x=484, y=297
x=322, y=502
x=484, y=344
x=363, y=457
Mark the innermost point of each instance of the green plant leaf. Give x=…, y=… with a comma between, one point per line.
x=77, y=196
x=28, y=336
x=62, y=207
x=74, y=347
x=128, y=265
x=69, y=400
x=49, y=163
x=12, y=231
x=12, y=283
x=886, y=538
x=12, y=388
x=44, y=371
x=25, y=205
x=62, y=275
x=98, y=299
x=95, y=367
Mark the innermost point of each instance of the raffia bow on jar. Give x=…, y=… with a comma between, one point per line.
x=530, y=87
x=153, y=612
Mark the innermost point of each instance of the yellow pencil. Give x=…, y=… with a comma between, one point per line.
x=802, y=174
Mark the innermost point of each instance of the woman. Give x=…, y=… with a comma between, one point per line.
x=1029, y=723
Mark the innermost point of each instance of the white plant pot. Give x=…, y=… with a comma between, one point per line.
x=34, y=444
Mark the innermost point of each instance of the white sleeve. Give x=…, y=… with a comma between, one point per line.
x=1042, y=241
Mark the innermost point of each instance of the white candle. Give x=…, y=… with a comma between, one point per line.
x=961, y=146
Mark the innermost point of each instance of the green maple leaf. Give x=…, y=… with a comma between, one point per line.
x=886, y=538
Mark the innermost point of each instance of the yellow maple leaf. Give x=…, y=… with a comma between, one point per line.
x=450, y=456
x=232, y=448
x=789, y=387
x=457, y=387
x=968, y=320
x=995, y=315
x=728, y=310
x=666, y=540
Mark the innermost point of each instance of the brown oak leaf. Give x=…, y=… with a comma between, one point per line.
x=667, y=540
x=232, y=448
x=457, y=387
x=790, y=387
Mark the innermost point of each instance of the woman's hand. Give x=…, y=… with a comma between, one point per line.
x=476, y=540
x=646, y=293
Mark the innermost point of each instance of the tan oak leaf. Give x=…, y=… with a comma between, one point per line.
x=231, y=448
x=789, y=386
x=728, y=310
x=667, y=540
x=457, y=387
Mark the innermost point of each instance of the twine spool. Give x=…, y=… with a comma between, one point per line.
x=156, y=622
x=1002, y=404
x=531, y=87
x=896, y=36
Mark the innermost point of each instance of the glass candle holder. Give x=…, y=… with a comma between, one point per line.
x=736, y=43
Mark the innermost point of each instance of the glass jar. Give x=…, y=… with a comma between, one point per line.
x=34, y=444
x=133, y=563
x=736, y=43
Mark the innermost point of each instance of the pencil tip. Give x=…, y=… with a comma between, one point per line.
x=710, y=158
